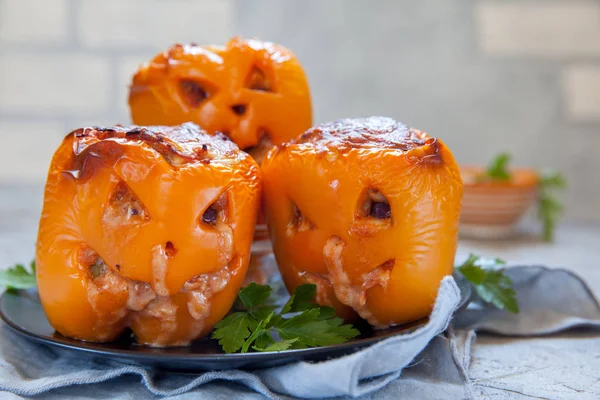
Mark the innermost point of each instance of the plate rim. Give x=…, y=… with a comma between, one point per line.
x=158, y=354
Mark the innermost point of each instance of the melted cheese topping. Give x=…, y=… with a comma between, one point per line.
x=202, y=288
x=179, y=145
x=165, y=311
x=225, y=244
x=159, y=269
x=363, y=133
x=106, y=283
x=140, y=295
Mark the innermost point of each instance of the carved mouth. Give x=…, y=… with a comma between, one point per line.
x=144, y=302
x=349, y=293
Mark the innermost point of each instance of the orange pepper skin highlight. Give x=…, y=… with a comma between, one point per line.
x=368, y=210
x=148, y=228
x=255, y=92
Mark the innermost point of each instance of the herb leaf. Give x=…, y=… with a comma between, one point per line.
x=549, y=207
x=263, y=341
x=277, y=346
x=309, y=330
x=490, y=283
x=254, y=295
x=17, y=277
x=233, y=330
x=260, y=330
x=498, y=168
x=299, y=324
x=302, y=299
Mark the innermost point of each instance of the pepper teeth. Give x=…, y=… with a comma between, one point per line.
x=346, y=292
x=203, y=287
x=144, y=301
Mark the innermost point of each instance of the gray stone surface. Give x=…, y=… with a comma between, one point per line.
x=559, y=366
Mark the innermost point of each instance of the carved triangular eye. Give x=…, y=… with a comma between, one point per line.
x=299, y=223
x=192, y=92
x=374, y=204
x=216, y=213
x=257, y=80
x=124, y=207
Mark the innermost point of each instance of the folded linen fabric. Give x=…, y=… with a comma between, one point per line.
x=429, y=363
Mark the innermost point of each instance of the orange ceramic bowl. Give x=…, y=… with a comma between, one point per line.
x=493, y=209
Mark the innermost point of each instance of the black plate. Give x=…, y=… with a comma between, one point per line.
x=23, y=313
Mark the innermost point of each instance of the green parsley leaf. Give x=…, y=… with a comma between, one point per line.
x=17, y=277
x=261, y=313
x=277, y=346
x=498, y=168
x=302, y=299
x=254, y=295
x=549, y=207
x=263, y=340
x=233, y=330
x=260, y=330
x=312, y=331
x=346, y=331
x=327, y=313
x=490, y=283
x=299, y=324
x=553, y=179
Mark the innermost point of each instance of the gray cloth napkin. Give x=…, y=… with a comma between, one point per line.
x=430, y=363
x=550, y=301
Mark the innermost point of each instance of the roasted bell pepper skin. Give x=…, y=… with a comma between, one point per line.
x=255, y=92
x=148, y=228
x=368, y=210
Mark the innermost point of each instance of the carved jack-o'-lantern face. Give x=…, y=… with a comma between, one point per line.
x=252, y=91
x=368, y=211
x=145, y=227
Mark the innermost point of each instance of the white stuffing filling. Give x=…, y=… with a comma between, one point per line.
x=159, y=269
x=354, y=296
x=143, y=301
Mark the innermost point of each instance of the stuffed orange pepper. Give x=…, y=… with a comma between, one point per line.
x=148, y=228
x=254, y=92
x=368, y=211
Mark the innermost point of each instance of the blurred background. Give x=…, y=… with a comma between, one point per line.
x=486, y=76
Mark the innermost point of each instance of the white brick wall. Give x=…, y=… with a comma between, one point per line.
x=37, y=21
x=531, y=76
x=153, y=23
x=27, y=149
x=539, y=28
x=582, y=92
x=50, y=83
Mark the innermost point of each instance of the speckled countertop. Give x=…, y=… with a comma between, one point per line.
x=564, y=366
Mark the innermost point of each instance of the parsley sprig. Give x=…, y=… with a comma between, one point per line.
x=549, y=206
x=18, y=277
x=490, y=282
x=497, y=170
x=299, y=324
